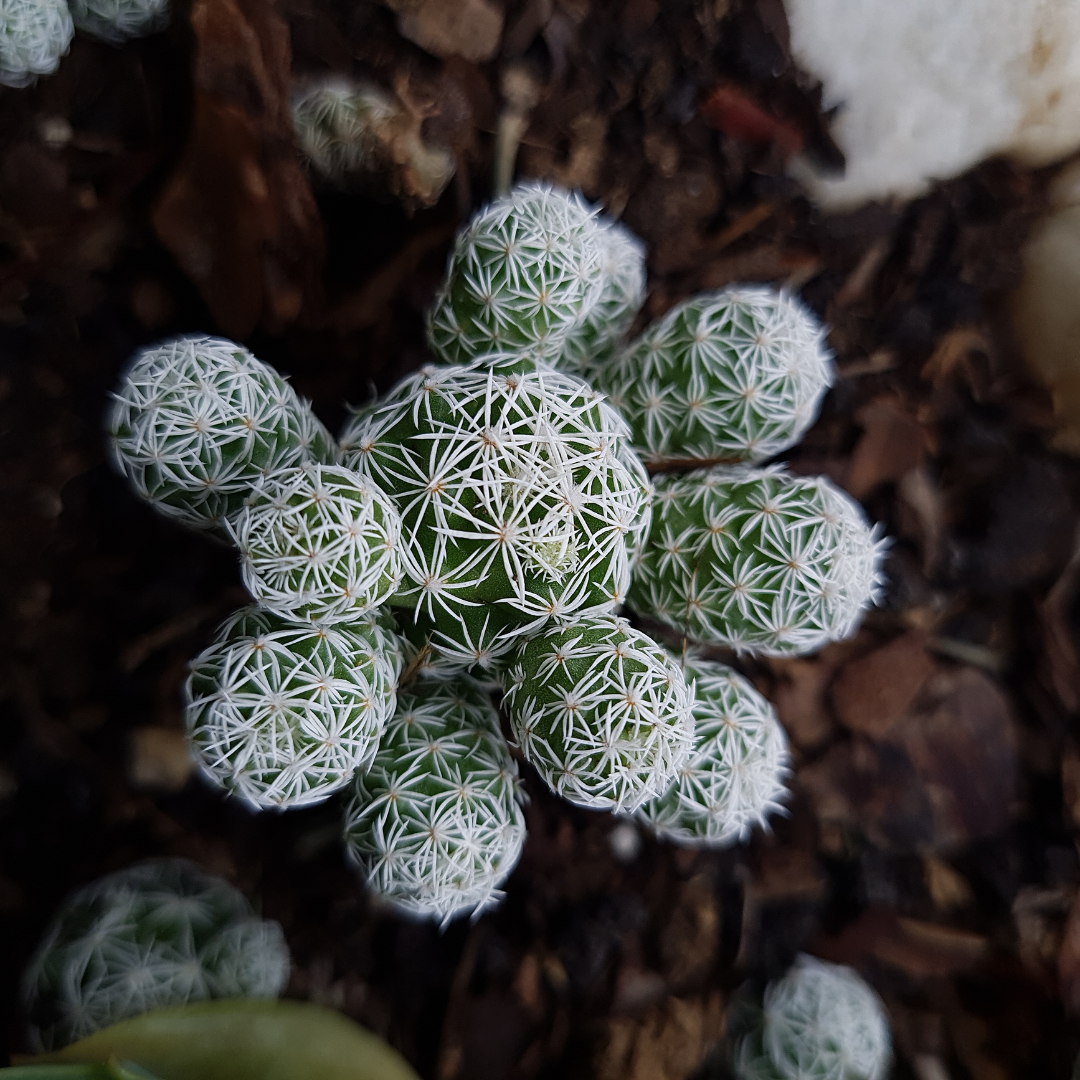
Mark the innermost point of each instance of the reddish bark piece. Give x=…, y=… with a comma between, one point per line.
x=467, y=28
x=738, y=116
x=237, y=213
x=871, y=692
x=890, y=446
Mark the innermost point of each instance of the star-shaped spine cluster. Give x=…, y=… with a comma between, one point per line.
x=820, y=1022
x=319, y=543
x=596, y=339
x=34, y=34
x=735, y=375
x=157, y=934
x=117, y=21
x=515, y=498
x=197, y=422
x=756, y=559
x=734, y=777
x=600, y=711
x=436, y=822
x=522, y=274
x=283, y=713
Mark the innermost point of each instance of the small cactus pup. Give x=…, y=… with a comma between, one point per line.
x=281, y=714
x=516, y=497
x=735, y=375
x=756, y=559
x=34, y=34
x=117, y=21
x=595, y=340
x=356, y=136
x=318, y=543
x=522, y=274
x=601, y=711
x=820, y=1022
x=436, y=822
x=734, y=777
x=198, y=422
x=157, y=934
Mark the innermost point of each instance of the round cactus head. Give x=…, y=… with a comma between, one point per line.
x=436, y=822
x=515, y=497
x=198, y=422
x=34, y=34
x=734, y=777
x=521, y=275
x=735, y=375
x=594, y=341
x=757, y=560
x=601, y=711
x=157, y=934
x=117, y=21
x=281, y=714
x=319, y=543
x=820, y=1022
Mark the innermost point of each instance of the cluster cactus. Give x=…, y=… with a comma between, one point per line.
x=481, y=526
x=160, y=933
x=734, y=776
x=819, y=1022
x=436, y=822
x=735, y=375
x=35, y=34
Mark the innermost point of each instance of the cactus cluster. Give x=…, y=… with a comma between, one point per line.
x=482, y=523
x=819, y=1022
x=160, y=933
x=35, y=34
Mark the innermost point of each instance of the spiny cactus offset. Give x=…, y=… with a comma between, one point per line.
x=735, y=375
x=319, y=543
x=281, y=714
x=515, y=500
x=820, y=1022
x=523, y=273
x=756, y=559
x=734, y=777
x=197, y=422
x=601, y=711
x=436, y=822
x=34, y=34
x=594, y=341
x=157, y=934
x=116, y=21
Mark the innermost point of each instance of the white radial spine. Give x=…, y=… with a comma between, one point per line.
x=601, y=711
x=117, y=21
x=281, y=714
x=319, y=543
x=34, y=35
x=436, y=822
x=734, y=777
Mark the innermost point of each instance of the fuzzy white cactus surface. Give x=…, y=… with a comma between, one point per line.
x=319, y=543
x=515, y=496
x=601, y=711
x=157, y=934
x=436, y=822
x=281, y=714
x=197, y=422
x=34, y=34
x=116, y=21
x=756, y=559
x=734, y=777
x=733, y=375
x=594, y=341
x=820, y=1022
x=522, y=274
